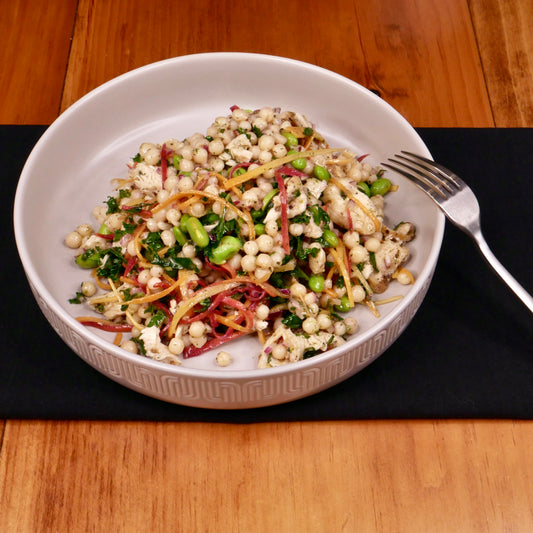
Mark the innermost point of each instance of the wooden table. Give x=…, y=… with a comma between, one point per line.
x=440, y=63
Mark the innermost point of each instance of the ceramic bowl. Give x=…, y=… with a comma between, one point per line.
x=70, y=169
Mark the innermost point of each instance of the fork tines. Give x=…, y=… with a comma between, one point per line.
x=430, y=176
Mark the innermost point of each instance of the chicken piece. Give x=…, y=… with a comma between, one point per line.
x=347, y=214
x=155, y=349
x=390, y=255
x=146, y=177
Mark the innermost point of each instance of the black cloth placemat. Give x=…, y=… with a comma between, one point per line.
x=468, y=353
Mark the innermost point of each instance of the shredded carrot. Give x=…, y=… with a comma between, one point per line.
x=99, y=281
x=213, y=289
x=310, y=139
x=331, y=292
x=388, y=300
x=275, y=163
x=371, y=305
x=226, y=321
x=245, y=215
x=339, y=255
x=102, y=323
x=362, y=280
x=118, y=339
x=261, y=337
x=350, y=194
x=284, y=217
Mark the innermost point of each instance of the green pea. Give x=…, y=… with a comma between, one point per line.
x=176, y=161
x=380, y=186
x=259, y=229
x=181, y=238
x=238, y=172
x=316, y=283
x=330, y=237
x=197, y=232
x=88, y=259
x=344, y=306
x=291, y=138
x=226, y=249
x=321, y=173
x=363, y=187
x=299, y=164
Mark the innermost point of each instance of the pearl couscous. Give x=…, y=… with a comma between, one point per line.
x=255, y=227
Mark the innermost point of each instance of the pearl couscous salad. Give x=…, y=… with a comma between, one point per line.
x=257, y=227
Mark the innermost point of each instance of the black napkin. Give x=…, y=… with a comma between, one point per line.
x=468, y=353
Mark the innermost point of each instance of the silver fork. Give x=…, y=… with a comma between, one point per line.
x=459, y=204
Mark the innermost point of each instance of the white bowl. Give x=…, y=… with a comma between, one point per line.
x=69, y=172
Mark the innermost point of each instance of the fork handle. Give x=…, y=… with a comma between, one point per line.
x=503, y=272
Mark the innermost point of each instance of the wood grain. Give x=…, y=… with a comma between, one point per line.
x=440, y=63
x=503, y=31
x=34, y=48
x=335, y=476
x=420, y=56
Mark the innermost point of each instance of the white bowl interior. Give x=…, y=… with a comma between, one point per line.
x=70, y=169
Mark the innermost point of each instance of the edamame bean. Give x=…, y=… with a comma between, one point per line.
x=363, y=187
x=268, y=197
x=226, y=249
x=321, y=173
x=197, y=232
x=330, y=237
x=176, y=161
x=291, y=138
x=88, y=259
x=316, y=283
x=380, y=186
x=104, y=230
x=183, y=222
x=180, y=236
x=344, y=306
x=300, y=163
x=259, y=229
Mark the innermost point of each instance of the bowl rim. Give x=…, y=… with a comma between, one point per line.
x=215, y=373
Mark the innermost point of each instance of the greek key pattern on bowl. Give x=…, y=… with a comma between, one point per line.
x=265, y=390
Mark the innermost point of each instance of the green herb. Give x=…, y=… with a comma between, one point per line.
x=157, y=318
x=112, y=205
x=124, y=193
x=308, y=132
x=137, y=158
x=78, y=299
x=128, y=230
x=304, y=218
x=372, y=257
x=140, y=345
x=204, y=305
x=257, y=131
x=303, y=253
x=171, y=263
x=319, y=215
x=292, y=321
x=112, y=264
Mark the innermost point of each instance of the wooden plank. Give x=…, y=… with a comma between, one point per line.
x=34, y=47
x=133, y=33
x=420, y=56
x=333, y=476
x=505, y=39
